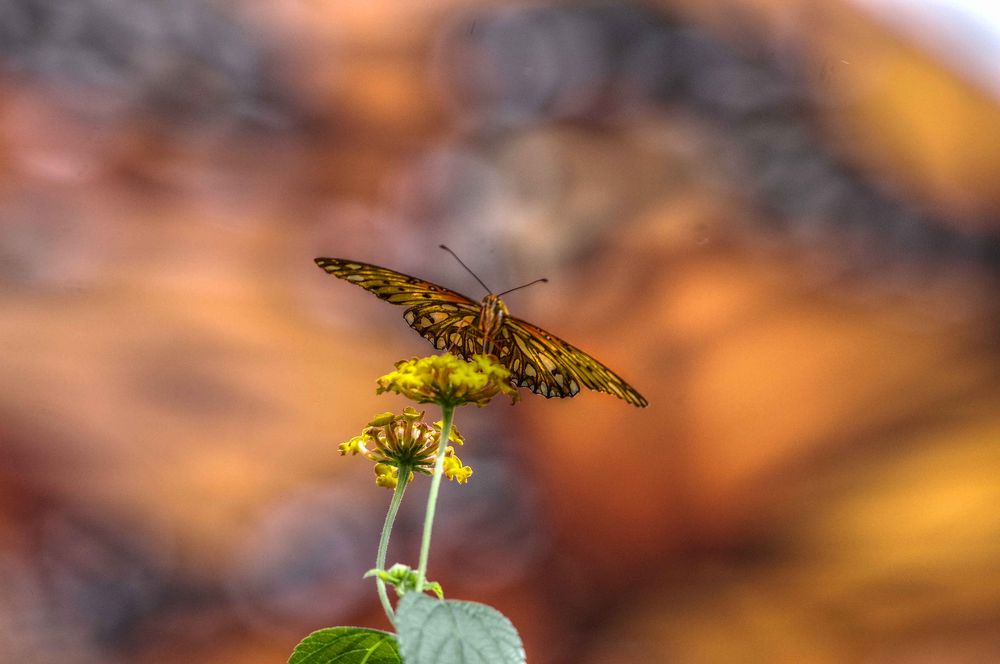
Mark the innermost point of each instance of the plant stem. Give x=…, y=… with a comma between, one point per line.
x=425, y=542
x=383, y=542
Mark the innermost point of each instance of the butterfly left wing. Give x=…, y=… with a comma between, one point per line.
x=445, y=318
x=549, y=366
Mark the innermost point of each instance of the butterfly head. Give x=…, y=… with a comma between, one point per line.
x=491, y=315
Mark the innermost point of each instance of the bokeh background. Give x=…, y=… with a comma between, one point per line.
x=779, y=219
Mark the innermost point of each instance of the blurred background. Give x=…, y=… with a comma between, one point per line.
x=778, y=219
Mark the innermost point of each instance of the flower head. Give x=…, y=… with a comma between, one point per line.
x=449, y=381
x=406, y=441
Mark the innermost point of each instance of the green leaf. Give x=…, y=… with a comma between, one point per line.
x=347, y=645
x=433, y=631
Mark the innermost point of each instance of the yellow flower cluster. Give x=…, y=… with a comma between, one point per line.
x=406, y=441
x=449, y=381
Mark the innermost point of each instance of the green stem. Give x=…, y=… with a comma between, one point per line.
x=383, y=542
x=425, y=542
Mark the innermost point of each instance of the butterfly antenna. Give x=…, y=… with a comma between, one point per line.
x=543, y=280
x=488, y=289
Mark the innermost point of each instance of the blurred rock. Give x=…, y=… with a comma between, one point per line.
x=189, y=64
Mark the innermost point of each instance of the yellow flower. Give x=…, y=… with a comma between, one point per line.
x=353, y=446
x=453, y=468
x=405, y=441
x=449, y=381
x=386, y=475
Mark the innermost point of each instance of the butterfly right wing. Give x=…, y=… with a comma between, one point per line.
x=445, y=318
x=549, y=366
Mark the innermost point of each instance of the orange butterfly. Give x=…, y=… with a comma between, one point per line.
x=540, y=361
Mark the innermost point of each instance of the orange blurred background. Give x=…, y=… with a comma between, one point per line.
x=778, y=220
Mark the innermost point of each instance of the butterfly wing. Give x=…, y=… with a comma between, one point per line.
x=549, y=366
x=445, y=318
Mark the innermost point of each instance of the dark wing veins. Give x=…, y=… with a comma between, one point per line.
x=552, y=367
x=447, y=325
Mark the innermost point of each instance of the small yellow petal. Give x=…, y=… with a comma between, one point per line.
x=386, y=476
x=354, y=446
x=412, y=414
x=381, y=419
x=454, y=470
x=454, y=436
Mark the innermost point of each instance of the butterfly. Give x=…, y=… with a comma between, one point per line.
x=538, y=360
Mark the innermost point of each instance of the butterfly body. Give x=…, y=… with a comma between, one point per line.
x=538, y=360
x=492, y=312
